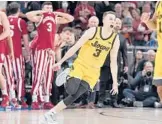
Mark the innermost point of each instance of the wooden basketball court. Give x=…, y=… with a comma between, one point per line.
x=87, y=116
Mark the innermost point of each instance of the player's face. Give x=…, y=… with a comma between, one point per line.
x=108, y=20
x=67, y=35
x=48, y=8
x=118, y=24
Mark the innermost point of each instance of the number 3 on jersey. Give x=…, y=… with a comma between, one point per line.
x=97, y=53
x=11, y=30
x=49, y=28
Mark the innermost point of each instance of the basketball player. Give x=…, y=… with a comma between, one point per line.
x=156, y=24
x=94, y=45
x=18, y=29
x=4, y=33
x=46, y=21
x=65, y=38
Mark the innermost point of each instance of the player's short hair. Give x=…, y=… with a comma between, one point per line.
x=46, y=3
x=108, y=12
x=13, y=8
x=68, y=29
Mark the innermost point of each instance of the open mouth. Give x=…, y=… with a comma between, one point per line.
x=111, y=26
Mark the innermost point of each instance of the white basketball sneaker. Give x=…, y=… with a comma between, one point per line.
x=49, y=118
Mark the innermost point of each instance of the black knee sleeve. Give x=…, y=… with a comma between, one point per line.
x=81, y=89
x=72, y=85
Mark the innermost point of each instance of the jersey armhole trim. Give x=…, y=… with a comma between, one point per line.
x=94, y=34
x=114, y=41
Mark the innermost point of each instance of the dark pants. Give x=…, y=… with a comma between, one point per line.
x=105, y=82
x=88, y=97
x=148, y=98
x=104, y=85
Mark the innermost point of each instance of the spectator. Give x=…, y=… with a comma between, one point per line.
x=78, y=31
x=122, y=55
x=133, y=4
x=150, y=57
x=127, y=29
x=82, y=12
x=153, y=40
x=72, y=6
x=140, y=30
x=141, y=89
x=31, y=30
x=118, y=10
x=101, y=7
x=146, y=8
x=126, y=13
x=132, y=70
x=34, y=5
x=93, y=21
x=64, y=9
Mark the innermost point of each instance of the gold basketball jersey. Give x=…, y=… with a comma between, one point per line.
x=96, y=49
x=159, y=23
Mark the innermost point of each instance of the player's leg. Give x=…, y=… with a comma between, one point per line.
x=19, y=71
x=48, y=84
x=10, y=81
x=41, y=57
x=9, y=73
x=158, y=75
x=41, y=94
x=5, y=98
x=33, y=64
x=75, y=88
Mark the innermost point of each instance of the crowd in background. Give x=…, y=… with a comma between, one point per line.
x=135, y=75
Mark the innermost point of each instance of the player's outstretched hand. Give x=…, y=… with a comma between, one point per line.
x=114, y=90
x=56, y=67
x=145, y=17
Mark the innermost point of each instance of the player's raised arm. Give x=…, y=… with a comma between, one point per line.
x=113, y=63
x=63, y=18
x=86, y=36
x=6, y=26
x=35, y=16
